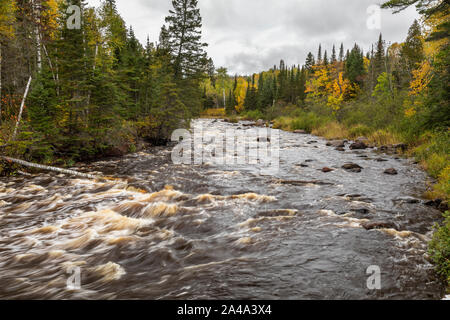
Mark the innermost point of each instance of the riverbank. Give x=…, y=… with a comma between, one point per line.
x=430, y=149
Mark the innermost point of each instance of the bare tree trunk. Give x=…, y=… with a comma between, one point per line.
x=48, y=168
x=50, y=65
x=21, y=108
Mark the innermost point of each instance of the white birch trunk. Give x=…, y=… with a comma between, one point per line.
x=48, y=168
x=36, y=11
x=21, y=108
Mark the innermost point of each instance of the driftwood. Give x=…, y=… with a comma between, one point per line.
x=48, y=168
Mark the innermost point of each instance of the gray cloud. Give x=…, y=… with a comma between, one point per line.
x=251, y=35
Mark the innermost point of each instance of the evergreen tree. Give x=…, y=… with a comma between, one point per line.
x=333, y=55
x=355, y=65
x=319, y=55
x=184, y=39
x=379, y=58
x=341, y=53
x=413, y=50
x=309, y=62
x=302, y=86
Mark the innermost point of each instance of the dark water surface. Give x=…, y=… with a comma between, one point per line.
x=165, y=231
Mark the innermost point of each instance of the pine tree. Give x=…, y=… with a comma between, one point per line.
x=211, y=72
x=319, y=55
x=354, y=65
x=333, y=55
x=379, y=58
x=302, y=86
x=413, y=50
x=184, y=39
x=325, y=58
x=309, y=62
x=341, y=53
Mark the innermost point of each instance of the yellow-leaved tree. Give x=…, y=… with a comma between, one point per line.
x=342, y=89
x=421, y=78
x=7, y=17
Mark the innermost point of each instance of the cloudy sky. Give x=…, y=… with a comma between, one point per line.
x=248, y=36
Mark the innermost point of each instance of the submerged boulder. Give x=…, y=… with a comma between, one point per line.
x=260, y=123
x=391, y=171
x=352, y=167
x=336, y=143
x=359, y=145
x=379, y=225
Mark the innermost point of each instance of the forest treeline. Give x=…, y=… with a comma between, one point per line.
x=95, y=89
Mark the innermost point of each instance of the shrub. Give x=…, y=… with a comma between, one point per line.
x=360, y=130
x=214, y=113
x=253, y=115
x=439, y=249
x=283, y=123
x=309, y=121
x=332, y=130
x=434, y=152
x=383, y=137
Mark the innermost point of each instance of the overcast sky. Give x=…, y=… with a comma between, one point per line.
x=249, y=36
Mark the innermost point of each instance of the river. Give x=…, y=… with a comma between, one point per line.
x=164, y=231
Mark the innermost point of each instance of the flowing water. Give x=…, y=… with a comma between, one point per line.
x=165, y=231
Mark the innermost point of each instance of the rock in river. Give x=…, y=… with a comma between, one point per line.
x=260, y=123
x=379, y=225
x=358, y=146
x=391, y=171
x=352, y=167
x=336, y=144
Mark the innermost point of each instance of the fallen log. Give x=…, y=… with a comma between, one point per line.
x=48, y=168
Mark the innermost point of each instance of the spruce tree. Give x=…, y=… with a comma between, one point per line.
x=309, y=63
x=333, y=54
x=354, y=65
x=184, y=39
x=319, y=55
x=379, y=62
x=341, y=53
x=413, y=50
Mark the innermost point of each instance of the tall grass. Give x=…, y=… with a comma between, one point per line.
x=332, y=130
